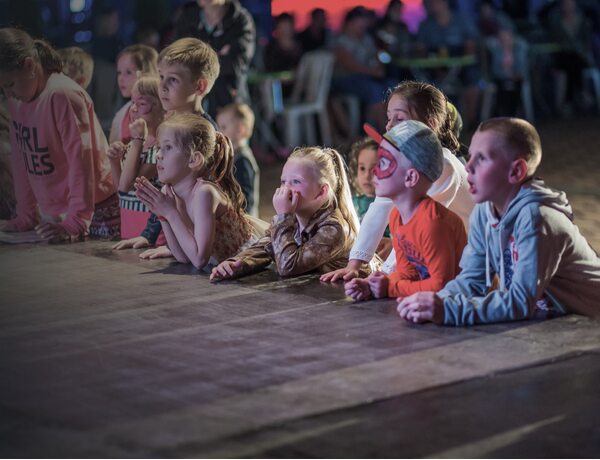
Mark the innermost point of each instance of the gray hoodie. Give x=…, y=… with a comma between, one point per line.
x=542, y=261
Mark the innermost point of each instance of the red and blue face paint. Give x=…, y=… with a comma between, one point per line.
x=386, y=163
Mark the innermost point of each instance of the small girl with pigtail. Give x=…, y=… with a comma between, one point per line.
x=315, y=224
x=200, y=196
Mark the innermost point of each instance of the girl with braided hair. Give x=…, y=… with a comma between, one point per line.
x=315, y=224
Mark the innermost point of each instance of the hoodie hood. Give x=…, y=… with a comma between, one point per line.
x=533, y=191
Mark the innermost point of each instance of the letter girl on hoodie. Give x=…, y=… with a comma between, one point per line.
x=58, y=152
x=521, y=231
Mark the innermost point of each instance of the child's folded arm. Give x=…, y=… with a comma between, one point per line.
x=539, y=254
x=292, y=258
x=254, y=258
x=371, y=229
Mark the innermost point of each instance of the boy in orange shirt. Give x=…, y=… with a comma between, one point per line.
x=428, y=238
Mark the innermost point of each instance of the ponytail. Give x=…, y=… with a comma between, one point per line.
x=196, y=134
x=446, y=135
x=220, y=171
x=343, y=193
x=49, y=58
x=16, y=45
x=331, y=169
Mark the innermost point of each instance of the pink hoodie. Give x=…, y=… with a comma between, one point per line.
x=58, y=156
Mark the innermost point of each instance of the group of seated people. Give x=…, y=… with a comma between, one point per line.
x=470, y=243
x=374, y=52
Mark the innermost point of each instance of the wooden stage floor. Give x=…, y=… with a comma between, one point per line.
x=102, y=355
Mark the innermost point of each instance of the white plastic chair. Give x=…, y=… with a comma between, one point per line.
x=309, y=100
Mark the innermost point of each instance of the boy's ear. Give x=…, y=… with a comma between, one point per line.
x=201, y=86
x=412, y=177
x=196, y=160
x=518, y=171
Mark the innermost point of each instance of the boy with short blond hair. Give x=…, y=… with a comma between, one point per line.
x=187, y=67
x=236, y=121
x=522, y=232
x=427, y=237
x=77, y=65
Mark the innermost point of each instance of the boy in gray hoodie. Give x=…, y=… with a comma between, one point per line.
x=521, y=231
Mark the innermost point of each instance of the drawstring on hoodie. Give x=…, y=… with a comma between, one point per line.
x=488, y=277
x=488, y=274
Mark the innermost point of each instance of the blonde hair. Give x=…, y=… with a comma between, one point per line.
x=355, y=149
x=518, y=139
x=17, y=45
x=427, y=103
x=77, y=64
x=195, y=55
x=330, y=169
x=194, y=133
x=241, y=112
x=144, y=57
x=147, y=85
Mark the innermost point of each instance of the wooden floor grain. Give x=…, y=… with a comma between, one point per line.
x=104, y=355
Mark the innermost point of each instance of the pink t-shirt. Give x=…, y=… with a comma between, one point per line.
x=58, y=156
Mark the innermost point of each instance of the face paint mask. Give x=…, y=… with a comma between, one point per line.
x=386, y=164
x=144, y=104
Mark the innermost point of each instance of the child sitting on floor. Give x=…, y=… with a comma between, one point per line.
x=138, y=156
x=315, y=223
x=521, y=231
x=201, y=205
x=428, y=238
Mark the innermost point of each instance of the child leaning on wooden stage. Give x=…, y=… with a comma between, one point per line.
x=315, y=224
x=201, y=205
x=428, y=238
x=187, y=69
x=521, y=231
x=413, y=100
x=138, y=156
x=61, y=173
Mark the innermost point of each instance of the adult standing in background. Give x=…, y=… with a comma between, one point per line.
x=229, y=29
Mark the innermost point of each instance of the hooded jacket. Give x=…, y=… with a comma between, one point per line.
x=543, y=262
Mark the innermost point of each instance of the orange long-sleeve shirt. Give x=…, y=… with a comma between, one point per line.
x=428, y=249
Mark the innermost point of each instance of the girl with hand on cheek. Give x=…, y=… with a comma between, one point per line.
x=315, y=224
